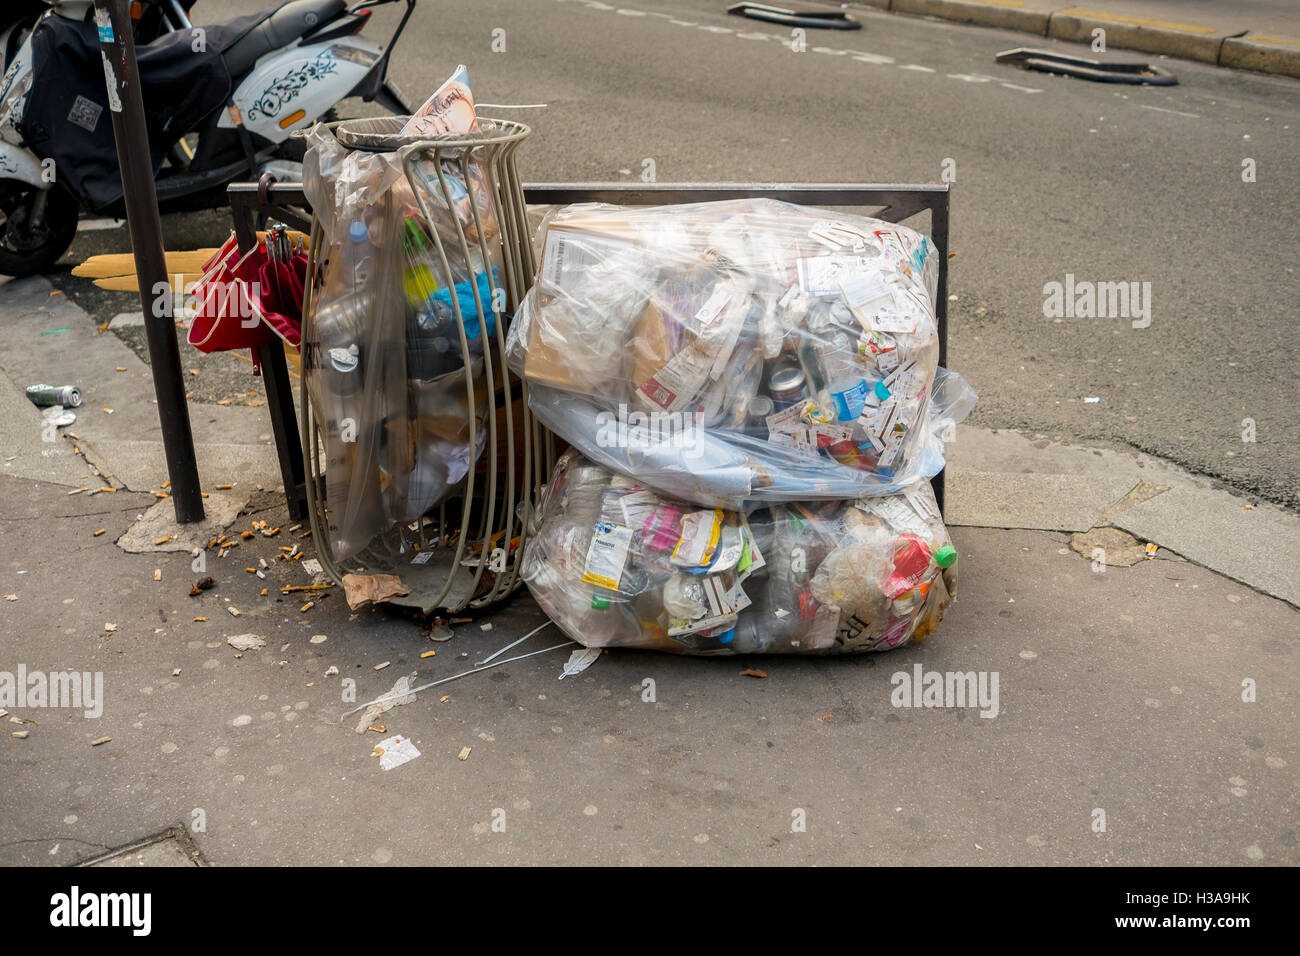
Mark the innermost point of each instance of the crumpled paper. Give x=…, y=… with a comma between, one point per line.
x=372, y=588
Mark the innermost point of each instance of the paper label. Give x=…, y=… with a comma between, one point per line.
x=896, y=513
x=822, y=275
x=607, y=555
x=676, y=384
x=863, y=287
x=714, y=306
x=922, y=503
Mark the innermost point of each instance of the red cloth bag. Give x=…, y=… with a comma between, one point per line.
x=244, y=302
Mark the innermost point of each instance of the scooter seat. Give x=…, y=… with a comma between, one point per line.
x=280, y=28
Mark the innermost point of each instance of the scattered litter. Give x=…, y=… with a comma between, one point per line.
x=394, y=752
x=363, y=589
x=76, y=491
x=225, y=487
x=201, y=620
x=264, y=591
x=485, y=627
x=307, y=606
x=461, y=620
x=444, y=698
x=234, y=611
x=825, y=716
x=1151, y=549
x=1091, y=400
x=378, y=728
x=331, y=671
x=246, y=642
x=422, y=558
x=494, y=656
x=380, y=667
x=579, y=661
x=11, y=597
x=99, y=532
x=163, y=540
x=157, y=574
x=427, y=654
x=475, y=670
x=284, y=647
x=753, y=672
x=110, y=628
x=291, y=588
x=20, y=734
x=201, y=585
x=100, y=741
x=464, y=753
x=245, y=535
x=318, y=638
x=312, y=567
x=176, y=672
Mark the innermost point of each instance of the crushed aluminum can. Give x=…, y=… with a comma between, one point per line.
x=43, y=396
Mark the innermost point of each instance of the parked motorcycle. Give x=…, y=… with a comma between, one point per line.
x=221, y=104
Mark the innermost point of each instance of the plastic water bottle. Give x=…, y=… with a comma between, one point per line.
x=844, y=376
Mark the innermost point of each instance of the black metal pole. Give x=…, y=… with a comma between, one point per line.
x=126, y=104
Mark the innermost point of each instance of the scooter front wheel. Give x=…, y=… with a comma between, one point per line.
x=36, y=226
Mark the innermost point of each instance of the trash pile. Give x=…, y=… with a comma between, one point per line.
x=394, y=345
x=752, y=394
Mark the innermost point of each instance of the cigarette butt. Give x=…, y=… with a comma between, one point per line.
x=99, y=532
x=239, y=655
x=378, y=728
x=245, y=535
x=166, y=484
x=251, y=570
x=107, y=411
x=203, y=494
x=157, y=574
x=464, y=753
x=163, y=540
x=201, y=620
x=222, y=539
x=161, y=494
x=306, y=534
x=76, y=491
x=444, y=698
x=100, y=741
x=121, y=368
x=225, y=487
x=427, y=654
x=307, y=606
x=109, y=488
x=462, y=620
x=263, y=592
x=380, y=667
x=20, y=734
x=234, y=611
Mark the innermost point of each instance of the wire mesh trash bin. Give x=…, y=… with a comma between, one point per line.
x=422, y=459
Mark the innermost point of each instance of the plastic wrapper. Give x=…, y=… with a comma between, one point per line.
x=740, y=350
x=617, y=564
x=394, y=343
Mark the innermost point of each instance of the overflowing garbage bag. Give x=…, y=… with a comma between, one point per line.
x=616, y=563
x=741, y=351
x=395, y=343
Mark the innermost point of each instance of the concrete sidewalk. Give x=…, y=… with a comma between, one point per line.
x=1260, y=35
x=1156, y=700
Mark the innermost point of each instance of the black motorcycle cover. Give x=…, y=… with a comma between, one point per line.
x=67, y=119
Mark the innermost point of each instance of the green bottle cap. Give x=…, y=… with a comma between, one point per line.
x=945, y=556
x=599, y=602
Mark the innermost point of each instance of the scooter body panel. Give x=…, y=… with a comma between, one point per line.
x=306, y=79
x=21, y=164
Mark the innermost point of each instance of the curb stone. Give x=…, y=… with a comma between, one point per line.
x=1244, y=50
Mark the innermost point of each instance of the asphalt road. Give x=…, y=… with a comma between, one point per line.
x=1052, y=177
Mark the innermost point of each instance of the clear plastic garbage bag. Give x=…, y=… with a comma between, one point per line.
x=616, y=564
x=740, y=350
